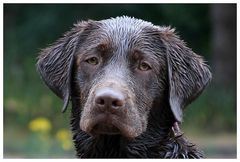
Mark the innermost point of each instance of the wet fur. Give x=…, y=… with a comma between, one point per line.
x=177, y=77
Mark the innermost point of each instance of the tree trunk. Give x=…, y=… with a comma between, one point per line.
x=224, y=44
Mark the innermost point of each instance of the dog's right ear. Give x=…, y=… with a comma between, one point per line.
x=55, y=62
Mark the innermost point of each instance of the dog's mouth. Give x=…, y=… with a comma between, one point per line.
x=105, y=124
x=103, y=128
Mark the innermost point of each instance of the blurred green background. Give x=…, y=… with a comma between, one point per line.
x=34, y=126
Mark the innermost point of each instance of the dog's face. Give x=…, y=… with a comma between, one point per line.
x=120, y=67
x=119, y=74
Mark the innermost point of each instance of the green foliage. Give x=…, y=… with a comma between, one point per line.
x=214, y=111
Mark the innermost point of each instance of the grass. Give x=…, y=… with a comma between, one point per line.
x=220, y=145
x=19, y=143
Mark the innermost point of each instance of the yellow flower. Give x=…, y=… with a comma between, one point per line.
x=40, y=125
x=67, y=145
x=64, y=137
x=63, y=134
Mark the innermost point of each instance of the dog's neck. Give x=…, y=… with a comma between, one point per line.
x=117, y=146
x=160, y=139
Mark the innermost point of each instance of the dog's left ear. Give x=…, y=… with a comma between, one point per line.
x=187, y=73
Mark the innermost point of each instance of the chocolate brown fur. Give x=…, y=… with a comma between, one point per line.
x=129, y=82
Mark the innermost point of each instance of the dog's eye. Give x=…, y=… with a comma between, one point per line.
x=92, y=60
x=143, y=66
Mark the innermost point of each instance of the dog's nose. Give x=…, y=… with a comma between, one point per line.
x=109, y=99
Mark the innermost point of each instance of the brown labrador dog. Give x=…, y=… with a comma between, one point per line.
x=128, y=81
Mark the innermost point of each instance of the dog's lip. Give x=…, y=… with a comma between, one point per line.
x=102, y=120
x=105, y=128
x=112, y=121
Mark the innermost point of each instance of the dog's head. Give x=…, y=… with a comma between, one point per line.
x=121, y=67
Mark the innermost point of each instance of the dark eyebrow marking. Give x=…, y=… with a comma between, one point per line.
x=103, y=47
